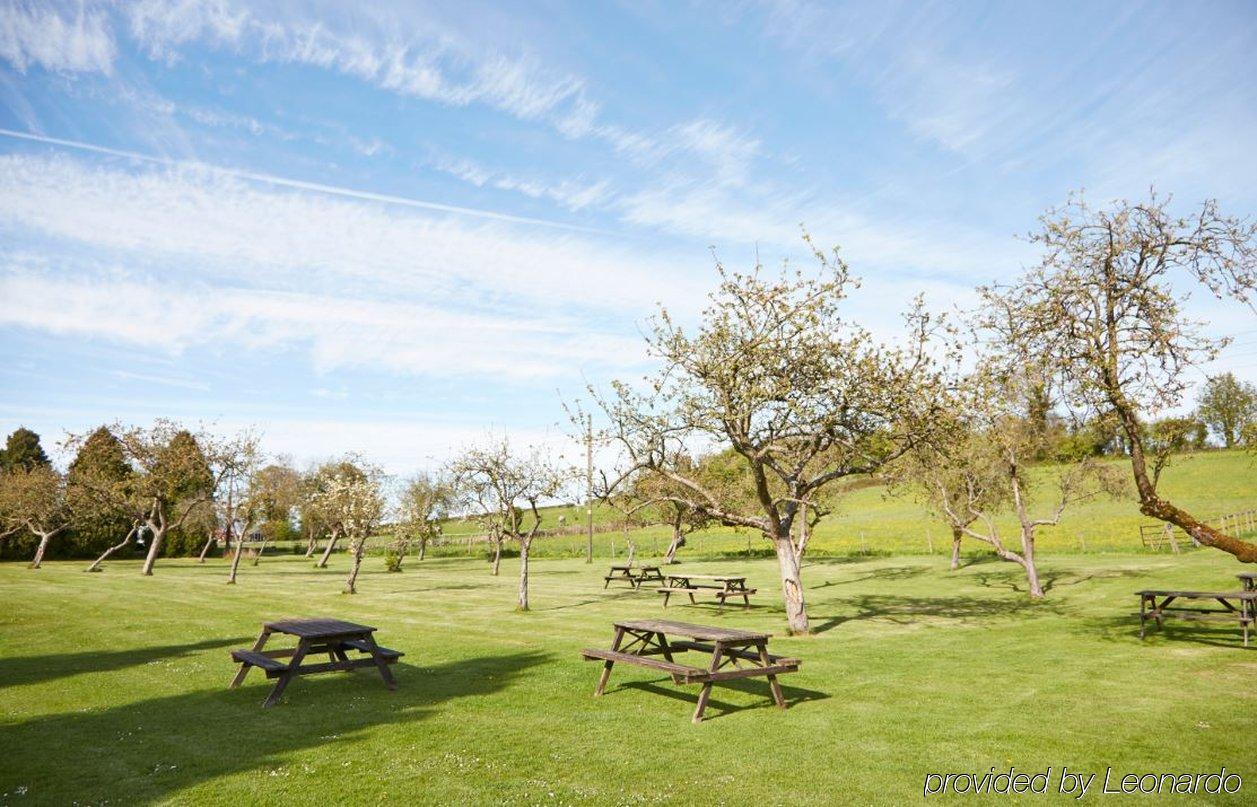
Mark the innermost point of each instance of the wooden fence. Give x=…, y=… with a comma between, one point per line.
x=1161, y=535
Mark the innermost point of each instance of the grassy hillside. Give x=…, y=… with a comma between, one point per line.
x=868, y=519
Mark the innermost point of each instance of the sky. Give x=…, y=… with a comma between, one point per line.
x=398, y=229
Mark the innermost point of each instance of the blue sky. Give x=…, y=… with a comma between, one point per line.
x=393, y=229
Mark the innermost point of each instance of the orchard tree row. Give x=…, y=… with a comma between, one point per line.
x=757, y=412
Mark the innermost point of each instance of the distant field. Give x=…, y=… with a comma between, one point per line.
x=869, y=520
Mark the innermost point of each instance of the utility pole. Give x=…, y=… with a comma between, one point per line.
x=589, y=487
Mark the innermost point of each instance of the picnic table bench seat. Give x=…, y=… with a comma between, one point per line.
x=262, y=661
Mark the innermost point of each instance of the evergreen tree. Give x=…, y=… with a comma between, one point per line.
x=22, y=450
x=97, y=524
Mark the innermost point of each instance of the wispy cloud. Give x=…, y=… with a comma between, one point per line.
x=69, y=40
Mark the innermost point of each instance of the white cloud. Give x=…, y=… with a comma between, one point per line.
x=239, y=230
x=64, y=40
x=337, y=332
x=426, y=61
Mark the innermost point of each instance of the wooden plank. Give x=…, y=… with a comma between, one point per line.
x=743, y=672
x=258, y=660
x=692, y=631
x=596, y=654
x=318, y=628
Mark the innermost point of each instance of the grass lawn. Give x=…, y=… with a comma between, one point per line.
x=114, y=686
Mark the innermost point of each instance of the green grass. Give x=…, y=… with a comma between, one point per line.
x=867, y=519
x=114, y=686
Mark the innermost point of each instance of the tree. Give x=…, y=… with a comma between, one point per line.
x=98, y=523
x=800, y=396
x=977, y=465
x=425, y=501
x=175, y=475
x=350, y=498
x=318, y=506
x=1103, y=313
x=34, y=498
x=503, y=489
x=241, y=505
x=1227, y=405
x=23, y=450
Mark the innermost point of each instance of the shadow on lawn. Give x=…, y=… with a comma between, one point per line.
x=755, y=686
x=888, y=573
x=148, y=751
x=35, y=669
x=1015, y=579
x=905, y=610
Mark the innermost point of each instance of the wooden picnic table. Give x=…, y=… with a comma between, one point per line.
x=1156, y=604
x=633, y=573
x=1248, y=580
x=722, y=586
x=334, y=637
x=733, y=654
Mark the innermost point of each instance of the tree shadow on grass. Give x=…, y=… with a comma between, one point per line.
x=18, y=670
x=717, y=708
x=1219, y=631
x=149, y=751
x=888, y=573
x=906, y=610
x=1015, y=579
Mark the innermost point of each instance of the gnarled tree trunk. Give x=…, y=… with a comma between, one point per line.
x=524, y=546
x=791, y=584
x=327, y=552
x=356, y=550
x=1153, y=506
x=95, y=567
x=678, y=541
x=44, y=539
x=154, y=547
x=497, y=555
x=956, y=533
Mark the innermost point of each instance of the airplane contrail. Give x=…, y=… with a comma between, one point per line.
x=298, y=184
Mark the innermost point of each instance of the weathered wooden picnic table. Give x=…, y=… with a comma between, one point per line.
x=1248, y=580
x=1156, y=604
x=722, y=586
x=634, y=574
x=733, y=654
x=314, y=636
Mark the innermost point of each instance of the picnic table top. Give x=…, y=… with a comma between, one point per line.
x=687, y=576
x=1247, y=575
x=698, y=632
x=1242, y=595
x=631, y=566
x=317, y=628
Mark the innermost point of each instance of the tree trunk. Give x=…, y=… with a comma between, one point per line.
x=257, y=556
x=1027, y=561
x=44, y=539
x=153, y=548
x=523, y=574
x=312, y=543
x=791, y=584
x=423, y=547
x=1153, y=506
x=327, y=553
x=235, y=563
x=205, y=549
x=678, y=541
x=356, y=550
x=956, y=532
x=95, y=567
x=497, y=555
